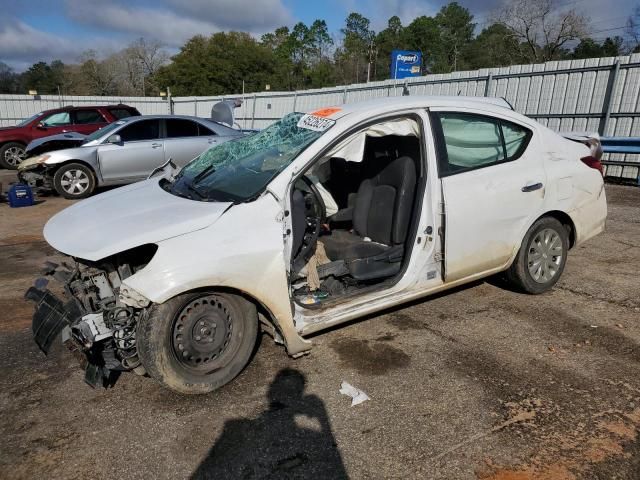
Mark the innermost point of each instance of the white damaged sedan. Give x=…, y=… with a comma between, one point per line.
x=316, y=220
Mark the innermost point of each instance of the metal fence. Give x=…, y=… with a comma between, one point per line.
x=592, y=95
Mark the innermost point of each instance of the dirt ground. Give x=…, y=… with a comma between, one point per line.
x=478, y=383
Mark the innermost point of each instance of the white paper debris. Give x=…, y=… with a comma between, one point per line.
x=357, y=396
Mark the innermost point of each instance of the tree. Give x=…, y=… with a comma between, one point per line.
x=46, y=78
x=219, y=64
x=140, y=61
x=541, y=28
x=356, y=54
x=456, y=32
x=320, y=41
x=589, y=48
x=423, y=34
x=100, y=77
x=493, y=47
x=9, y=80
x=389, y=39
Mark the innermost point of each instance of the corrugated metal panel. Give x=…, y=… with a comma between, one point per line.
x=565, y=95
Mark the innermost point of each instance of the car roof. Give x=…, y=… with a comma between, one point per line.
x=491, y=104
x=160, y=117
x=67, y=108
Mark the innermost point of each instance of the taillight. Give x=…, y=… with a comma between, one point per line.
x=593, y=163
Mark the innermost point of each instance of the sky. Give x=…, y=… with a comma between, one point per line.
x=44, y=30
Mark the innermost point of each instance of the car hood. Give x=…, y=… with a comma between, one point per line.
x=127, y=217
x=54, y=142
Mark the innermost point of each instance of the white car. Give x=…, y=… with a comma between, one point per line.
x=314, y=221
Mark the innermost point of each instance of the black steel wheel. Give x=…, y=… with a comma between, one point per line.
x=201, y=333
x=196, y=343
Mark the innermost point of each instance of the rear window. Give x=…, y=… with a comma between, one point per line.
x=469, y=141
x=177, y=128
x=120, y=113
x=88, y=116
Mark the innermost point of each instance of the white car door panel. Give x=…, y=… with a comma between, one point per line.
x=489, y=202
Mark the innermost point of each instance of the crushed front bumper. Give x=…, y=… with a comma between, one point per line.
x=97, y=328
x=38, y=179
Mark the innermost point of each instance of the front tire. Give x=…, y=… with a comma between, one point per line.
x=196, y=343
x=541, y=258
x=74, y=181
x=11, y=155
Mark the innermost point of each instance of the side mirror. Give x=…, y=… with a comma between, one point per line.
x=115, y=138
x=41, y=126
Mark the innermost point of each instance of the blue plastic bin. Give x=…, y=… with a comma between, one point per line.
x=20, y=195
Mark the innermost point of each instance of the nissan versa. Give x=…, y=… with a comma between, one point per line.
x=316, y=220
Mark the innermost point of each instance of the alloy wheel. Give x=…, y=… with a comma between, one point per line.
x=545, y=255
x=74, y=181
x=14, y=156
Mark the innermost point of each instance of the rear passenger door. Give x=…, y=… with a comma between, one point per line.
x=141, y=150
x=493, y=187
x=185, y=139
x=87, y=120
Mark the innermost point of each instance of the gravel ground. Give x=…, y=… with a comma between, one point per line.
x=480, y=383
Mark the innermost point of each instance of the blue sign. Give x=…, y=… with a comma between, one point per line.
x=405, y=63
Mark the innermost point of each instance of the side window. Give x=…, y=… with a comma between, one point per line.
x=57, y=119
x=88, y=116
x=204, y=131
x=142, y=130
x=468, y=141
x=120, y=113
x=177, y=128
x=516, y=139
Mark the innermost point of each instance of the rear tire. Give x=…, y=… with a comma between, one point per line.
x=541, y=258
x=196, y=343
x=11, y=155
x=74, y=181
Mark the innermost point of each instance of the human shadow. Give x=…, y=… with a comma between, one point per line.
x=291, y=439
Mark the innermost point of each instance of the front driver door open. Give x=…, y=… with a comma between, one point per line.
x=379, y=218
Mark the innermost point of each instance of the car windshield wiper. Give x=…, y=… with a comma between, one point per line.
x=193, y=189
x=204, y=173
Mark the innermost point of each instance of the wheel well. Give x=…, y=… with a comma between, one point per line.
x=2, y=144
x=82, y=162
x=564, y=219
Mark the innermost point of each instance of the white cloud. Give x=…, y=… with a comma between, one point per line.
x=244, y=15
x=19, y=41
x=176, y=22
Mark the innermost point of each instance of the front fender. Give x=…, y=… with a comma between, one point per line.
x=243, y=251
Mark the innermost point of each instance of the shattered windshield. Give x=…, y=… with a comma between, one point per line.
x=238, y=170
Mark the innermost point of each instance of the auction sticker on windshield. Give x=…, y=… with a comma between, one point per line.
x=315, y=123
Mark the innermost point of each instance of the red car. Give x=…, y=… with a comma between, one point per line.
x=85, y=120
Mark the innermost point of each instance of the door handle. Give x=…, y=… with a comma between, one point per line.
x=213, y=140
x=532, y=188
x=156, y=145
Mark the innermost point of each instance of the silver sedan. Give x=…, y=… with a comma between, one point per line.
x=123, y=152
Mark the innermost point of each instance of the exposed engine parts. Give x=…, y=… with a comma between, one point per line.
x=95, y=323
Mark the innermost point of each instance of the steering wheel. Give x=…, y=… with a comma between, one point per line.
x=315, y=217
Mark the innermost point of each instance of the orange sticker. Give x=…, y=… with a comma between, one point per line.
x=326, y=112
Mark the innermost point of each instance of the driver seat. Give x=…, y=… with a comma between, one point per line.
x=381, y=216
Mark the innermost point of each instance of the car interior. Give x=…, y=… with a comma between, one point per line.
x=352, y=213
